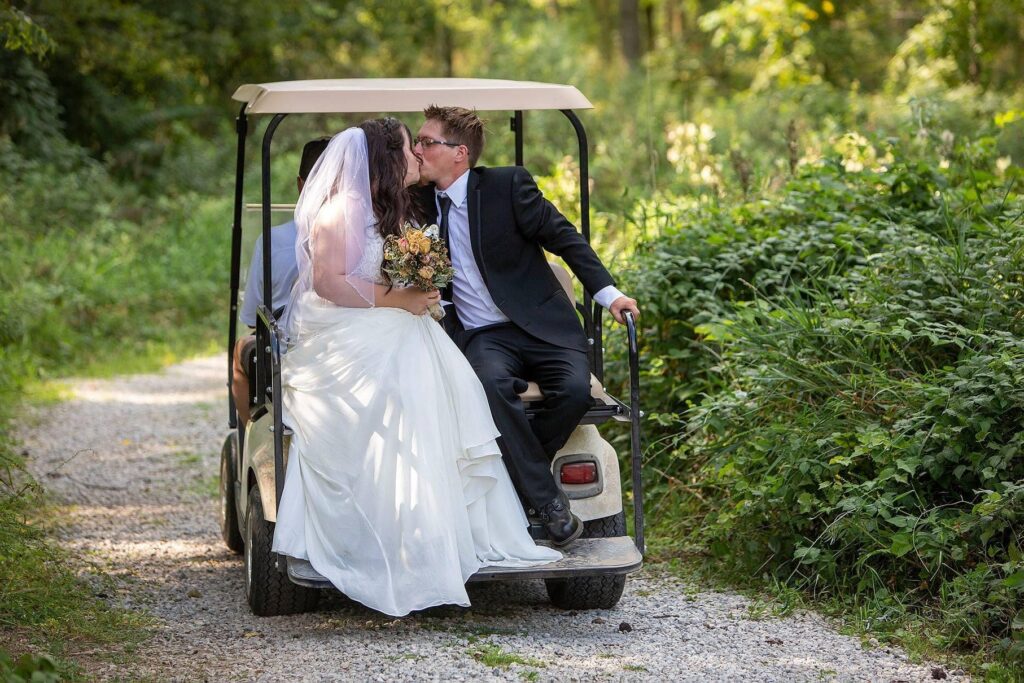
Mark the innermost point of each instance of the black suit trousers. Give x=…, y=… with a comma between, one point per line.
x=505, y=357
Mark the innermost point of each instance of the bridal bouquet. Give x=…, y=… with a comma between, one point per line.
x=419, y=258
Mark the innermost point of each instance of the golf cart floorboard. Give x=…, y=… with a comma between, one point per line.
x=583, y=557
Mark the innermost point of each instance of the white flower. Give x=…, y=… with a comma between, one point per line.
x=432, y=231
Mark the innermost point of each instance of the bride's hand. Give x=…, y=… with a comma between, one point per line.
x=416, y=301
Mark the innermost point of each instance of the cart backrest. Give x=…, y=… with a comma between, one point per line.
x=564, y=279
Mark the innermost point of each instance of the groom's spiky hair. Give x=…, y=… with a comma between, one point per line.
x=459, y=125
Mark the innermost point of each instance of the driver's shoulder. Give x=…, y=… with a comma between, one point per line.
x=499, y=175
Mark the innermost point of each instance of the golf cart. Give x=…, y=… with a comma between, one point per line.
x=593, y=572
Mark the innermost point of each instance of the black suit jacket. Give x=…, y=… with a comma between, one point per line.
x=511, y=224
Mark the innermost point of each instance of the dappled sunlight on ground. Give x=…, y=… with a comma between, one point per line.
x=131, y=464
x=96, y=395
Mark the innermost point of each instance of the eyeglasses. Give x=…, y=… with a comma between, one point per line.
x=427, y=143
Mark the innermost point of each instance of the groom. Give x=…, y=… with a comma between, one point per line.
x=511, y=318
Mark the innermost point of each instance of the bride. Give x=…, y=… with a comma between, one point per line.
x=395, y=490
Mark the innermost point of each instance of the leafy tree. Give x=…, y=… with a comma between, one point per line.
x=962, y=41
x=20, y=34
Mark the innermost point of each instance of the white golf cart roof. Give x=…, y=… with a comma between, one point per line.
x=361, y=95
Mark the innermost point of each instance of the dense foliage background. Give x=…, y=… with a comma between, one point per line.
x=817, y=203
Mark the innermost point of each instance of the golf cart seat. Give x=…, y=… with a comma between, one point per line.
x=605, y=406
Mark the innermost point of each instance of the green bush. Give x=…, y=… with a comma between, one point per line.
x=842, y=370
x=84, y=261
x=872, y=444
x=709, y=259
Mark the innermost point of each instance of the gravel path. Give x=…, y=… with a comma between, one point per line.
x=139, y=495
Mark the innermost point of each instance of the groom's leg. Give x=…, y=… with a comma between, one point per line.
x=563, y=376
x=495, y=354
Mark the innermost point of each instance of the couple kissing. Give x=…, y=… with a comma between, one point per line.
x=411, y=450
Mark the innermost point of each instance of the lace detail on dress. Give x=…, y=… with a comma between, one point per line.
x=373, y=256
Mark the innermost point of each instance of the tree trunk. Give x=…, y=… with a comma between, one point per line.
x=650, y=28
x=443, y=47
x=629, y=31
x=673, y=22
x=973, y=49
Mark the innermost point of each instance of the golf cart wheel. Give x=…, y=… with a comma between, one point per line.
x=591, y=592
x=229, y=529
x=269, y=592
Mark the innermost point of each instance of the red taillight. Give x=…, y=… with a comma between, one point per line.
x=579, y=473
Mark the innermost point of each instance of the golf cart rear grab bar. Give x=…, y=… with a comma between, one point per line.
x=636, y=451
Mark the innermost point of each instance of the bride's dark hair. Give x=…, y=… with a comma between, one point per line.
x=385, y=147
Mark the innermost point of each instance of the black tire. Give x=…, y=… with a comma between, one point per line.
x=229, y=527
x=269, y=592
x=591, y=592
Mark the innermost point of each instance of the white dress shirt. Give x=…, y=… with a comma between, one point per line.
x=473, y=301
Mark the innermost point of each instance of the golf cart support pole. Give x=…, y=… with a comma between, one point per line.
x=270, y=344
x=517, y=127
x=242, y=127
x=581, y=137
x=591, y=323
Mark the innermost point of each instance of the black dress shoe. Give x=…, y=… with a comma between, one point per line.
x=563, y=527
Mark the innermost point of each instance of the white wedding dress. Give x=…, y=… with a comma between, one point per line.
x=395, y=490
